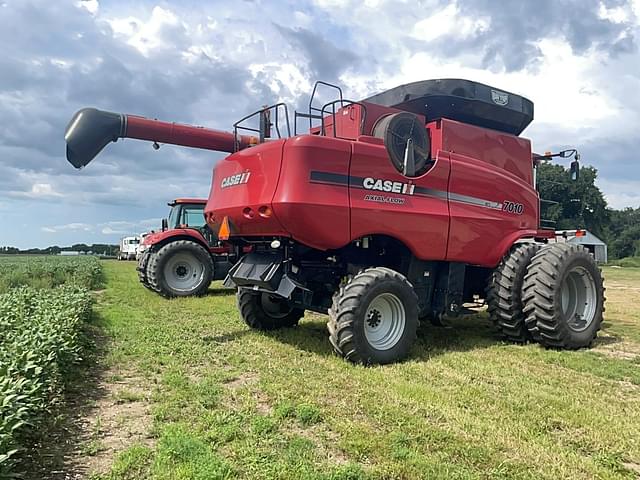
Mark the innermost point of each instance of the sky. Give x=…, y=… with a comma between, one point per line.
x=212, y=62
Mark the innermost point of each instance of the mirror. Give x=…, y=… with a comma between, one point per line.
x=575, y=170
x=165, y=224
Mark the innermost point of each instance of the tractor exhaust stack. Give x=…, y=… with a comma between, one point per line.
x=90, y=130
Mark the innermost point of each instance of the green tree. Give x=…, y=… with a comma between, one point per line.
x=624, y=233
x=572, y=204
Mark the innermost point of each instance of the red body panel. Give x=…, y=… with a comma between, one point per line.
x=174, y=233
x=314, y=213
x=242, y=204
x=471, y=206
x=421, y=221
x=496, y=171
x=158, y=237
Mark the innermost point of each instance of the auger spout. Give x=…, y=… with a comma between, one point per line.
x=90, y=130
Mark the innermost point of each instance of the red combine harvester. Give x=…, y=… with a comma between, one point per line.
x=403, y=206
x=185, y=256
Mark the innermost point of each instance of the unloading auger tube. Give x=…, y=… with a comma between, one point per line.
x=90, y=130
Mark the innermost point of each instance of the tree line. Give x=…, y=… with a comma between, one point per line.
x=96, y=248
x=567, y=204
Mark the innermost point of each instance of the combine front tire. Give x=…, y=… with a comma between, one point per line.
x=504, y=294
x=374, y=317
x=264, y=311
x=180, y=268
x=564, y=296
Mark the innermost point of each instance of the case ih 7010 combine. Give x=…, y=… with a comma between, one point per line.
x=185, y=256
x=402, y=206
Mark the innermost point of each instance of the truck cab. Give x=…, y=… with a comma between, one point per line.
x=128, y=248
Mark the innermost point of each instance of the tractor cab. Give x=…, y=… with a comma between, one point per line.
x=185, y=213
x=186, y=217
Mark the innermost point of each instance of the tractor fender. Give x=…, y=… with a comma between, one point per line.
x=160, y=239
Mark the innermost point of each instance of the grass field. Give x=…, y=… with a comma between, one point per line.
x=187, y=391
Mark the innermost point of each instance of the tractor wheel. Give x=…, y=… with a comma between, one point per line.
x=180, y=268
x=374, y=317
x=264, y=311
x=563, y=296
x=152, y=280
x=504, y=293
x=143, y=264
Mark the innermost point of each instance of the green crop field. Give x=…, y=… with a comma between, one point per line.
x=48, y=271
x=44, y=304
x=182, y=389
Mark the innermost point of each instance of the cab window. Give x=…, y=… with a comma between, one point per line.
x=193, y=216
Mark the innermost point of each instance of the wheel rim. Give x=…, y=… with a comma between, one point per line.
x=384, y=321
x=183, y=272
x=579, y=299
x=274, y=306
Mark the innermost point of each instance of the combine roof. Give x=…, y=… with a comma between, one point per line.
x=461, y=100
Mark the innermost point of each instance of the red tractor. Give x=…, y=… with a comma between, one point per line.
x=185, y=256
x=403, y=206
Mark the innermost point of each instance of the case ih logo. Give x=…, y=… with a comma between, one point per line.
x=388, y=186
x=499, y=98
x=237, y=179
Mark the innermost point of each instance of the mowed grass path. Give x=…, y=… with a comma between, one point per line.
x=228, y=402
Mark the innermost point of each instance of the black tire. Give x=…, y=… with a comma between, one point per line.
x=350, y=314
x=504, y=293
x=571, y=322
x=263, y=311
x=152, y=267
x=143, y=263
x=197, y=265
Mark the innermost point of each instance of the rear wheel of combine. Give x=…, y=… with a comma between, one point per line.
x=374, y=317
x=264, y=311
x=564, y=296
x=504, y=293
x=180, y=269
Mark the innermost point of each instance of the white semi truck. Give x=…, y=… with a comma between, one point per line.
x=128, y=248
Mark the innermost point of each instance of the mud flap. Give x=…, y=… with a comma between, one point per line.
x=263, y=272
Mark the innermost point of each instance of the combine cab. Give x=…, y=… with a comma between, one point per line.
x=404, y=206
x=185, y=257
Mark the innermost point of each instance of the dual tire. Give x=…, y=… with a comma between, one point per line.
x=563, y=295
x=504, y=294
x=551, y=294
x=143, y=263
